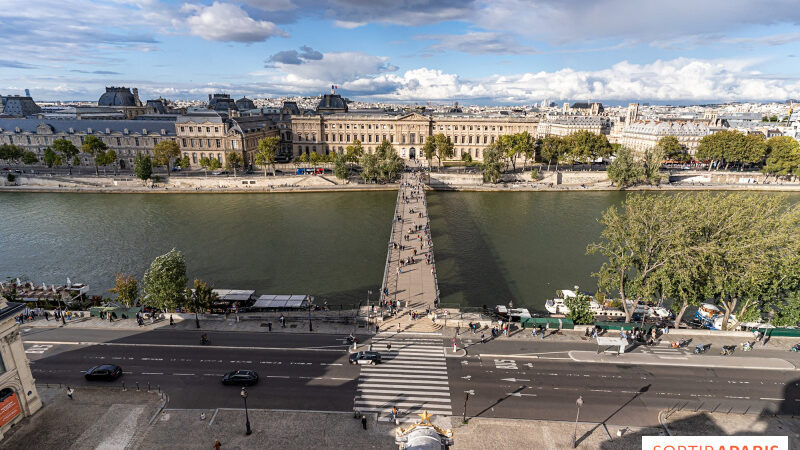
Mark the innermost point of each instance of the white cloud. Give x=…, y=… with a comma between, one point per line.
x=228, y=22
x=348, y=24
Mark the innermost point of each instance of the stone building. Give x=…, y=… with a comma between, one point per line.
x=18, y=395
x=18, y=106
x=641, y=136
x=212, y=134
x=565, y=125
x=122, y=99
x=127, y=137
x=325, y=132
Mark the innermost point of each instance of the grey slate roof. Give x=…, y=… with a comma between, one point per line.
x=82, y=126
x=117, y=96
x=332, y=102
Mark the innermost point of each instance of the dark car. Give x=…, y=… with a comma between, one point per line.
x=241, y=377
x=108, y=372
x=365, y=358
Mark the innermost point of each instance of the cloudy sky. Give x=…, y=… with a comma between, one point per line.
x=483, y=51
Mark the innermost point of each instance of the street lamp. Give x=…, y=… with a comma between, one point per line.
x=578, y=402
x=246, y=415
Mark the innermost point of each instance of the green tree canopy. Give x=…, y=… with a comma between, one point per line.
x=164, y=152
x=68, y=152
x=444, y=148
x=579, y=310
x=672, y=149
x=429, y=149
x=51, y=158
x=233, y=160
x=126, y=288
x=29, y=158
x=265, y=154
x=625, y=171
x=784, y=157
x=492, y=164
x=96, y=148
x=165, y=282
x=585, y=146
x=553, y=149
x=340, y=168
x=200, y=298
x=11, y=152
x=142, y=166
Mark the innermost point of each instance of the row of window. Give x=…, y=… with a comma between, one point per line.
x=203, y=155
x=199, y=129
x=48, y=140
x=199, y=142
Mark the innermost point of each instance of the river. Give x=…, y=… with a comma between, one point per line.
x=491, y=247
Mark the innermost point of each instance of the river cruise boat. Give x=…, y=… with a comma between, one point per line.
x=711, y=317
x=557, y=305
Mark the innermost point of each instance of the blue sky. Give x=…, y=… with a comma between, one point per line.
x=484, y=52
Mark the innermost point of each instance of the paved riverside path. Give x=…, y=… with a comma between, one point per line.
x=414, y=285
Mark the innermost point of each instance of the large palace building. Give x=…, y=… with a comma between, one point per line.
x=331, y=128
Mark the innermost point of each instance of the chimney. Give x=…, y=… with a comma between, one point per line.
x=136, y=97
x=27, y=92
x=209, y=98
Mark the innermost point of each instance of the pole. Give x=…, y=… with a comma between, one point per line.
x=466, y=397
x=578, y=402
x=246, y=413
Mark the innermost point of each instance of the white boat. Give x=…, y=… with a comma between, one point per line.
x=711, y=317
x=513, y=314
x=656, y=312
x=558, y=306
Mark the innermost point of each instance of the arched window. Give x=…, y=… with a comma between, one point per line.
x=194, y=158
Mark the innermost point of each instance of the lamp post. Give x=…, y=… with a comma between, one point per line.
x=578, y=402
x=246, y=414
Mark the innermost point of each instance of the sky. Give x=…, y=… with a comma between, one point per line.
x=513, y=52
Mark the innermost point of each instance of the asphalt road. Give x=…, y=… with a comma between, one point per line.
x=547, y=387
x=301, y=372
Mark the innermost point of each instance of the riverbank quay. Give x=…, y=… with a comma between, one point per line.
x=446, y=181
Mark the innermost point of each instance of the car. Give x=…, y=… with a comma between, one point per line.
x=107, y=372
x=365, y=358
x=241, y=377
x=219, y=172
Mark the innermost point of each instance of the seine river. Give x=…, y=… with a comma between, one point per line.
x=491, y=247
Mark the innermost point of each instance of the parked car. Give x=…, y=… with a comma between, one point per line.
x=241, y=377
x=365, y=358
x=107, y=372
x=219, y=172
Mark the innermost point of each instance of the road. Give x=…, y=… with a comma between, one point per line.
x=297, y=371
x=547, y=385
x=310, y=372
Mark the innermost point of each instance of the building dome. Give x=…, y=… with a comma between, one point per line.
x=245, y=104
x=332, y=103
x=221, y=102
x=118, y=96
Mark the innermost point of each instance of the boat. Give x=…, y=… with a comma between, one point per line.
x=558, y=305
x=711, y=317
x=654, y=312
x=512, y=314
x=27, y=291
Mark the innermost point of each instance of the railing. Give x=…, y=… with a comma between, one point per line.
x=389, y=247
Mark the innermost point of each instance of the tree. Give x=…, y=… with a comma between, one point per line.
x=126, y=288
x=672, y=149
x=109, y=157
x=205, y=163
x=51, y=158
x=233, y=160
x=265, y=154
x=303, y=158
x=200, y=298
x=313, y=158
x=467, y=158
x=652, y=165
x=142, y=166
x=444, y=148
x=96, y=148
x=29, y=158
x=636, y=241
x=369, y=167
x=353, y=152
x=165, y=282
x=164, y=151
x=787, y=313
x=585, y=146
x=553, y=148
x=505, y=145
x=183, y=163
x=730, y=146
x=624, y=171
x=579, y=310
x=11, y=152
x=214, y=164
x=429, y=149
x=492, y=164
x=390, y=165
x=340, y=169
x=784, y=157
x=525, y=145
x=68, y=152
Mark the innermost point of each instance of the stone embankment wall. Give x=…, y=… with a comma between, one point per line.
x=182, y=183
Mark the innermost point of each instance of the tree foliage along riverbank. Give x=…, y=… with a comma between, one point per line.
x=738, y=250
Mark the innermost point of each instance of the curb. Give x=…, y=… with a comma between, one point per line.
x=160, y=408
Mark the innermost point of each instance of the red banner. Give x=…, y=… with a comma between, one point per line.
x=9, y=408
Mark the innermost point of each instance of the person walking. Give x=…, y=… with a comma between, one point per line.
x=217, y=445
x=70, y=391
x=171, y=320
x=364, y=421
x=388, y=347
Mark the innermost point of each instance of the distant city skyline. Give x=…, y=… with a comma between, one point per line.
x=512, y=52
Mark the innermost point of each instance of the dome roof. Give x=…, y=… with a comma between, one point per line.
x=332, y=103
x=244, y=104
x=117, y=96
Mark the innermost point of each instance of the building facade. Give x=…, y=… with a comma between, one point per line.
x=126, y=137
x=641, y=136
x=18, y=395
x=407, y=132
x=211, y=134
x=566, y=125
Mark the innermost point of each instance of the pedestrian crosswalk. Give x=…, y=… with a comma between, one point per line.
x=666, y=350
x=412, y=378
